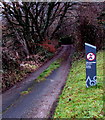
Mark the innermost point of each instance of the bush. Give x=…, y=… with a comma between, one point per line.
x=9, y=61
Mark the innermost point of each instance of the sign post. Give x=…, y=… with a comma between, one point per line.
x=90, y=65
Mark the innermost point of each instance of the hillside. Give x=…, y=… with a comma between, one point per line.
x=77, y=101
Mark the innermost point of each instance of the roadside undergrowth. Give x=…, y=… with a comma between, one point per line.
x=12, y=77
x=77, y=101
x=56, y=64
x=29, y=65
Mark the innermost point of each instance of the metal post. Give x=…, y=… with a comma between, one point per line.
x=90, y=65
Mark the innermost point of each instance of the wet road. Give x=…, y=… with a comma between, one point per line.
x=39, y=102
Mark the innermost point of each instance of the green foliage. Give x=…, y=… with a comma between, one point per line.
x=77, y=101
x=49, y=70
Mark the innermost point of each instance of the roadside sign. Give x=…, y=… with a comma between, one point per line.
x=90, y=65
x=91, y=56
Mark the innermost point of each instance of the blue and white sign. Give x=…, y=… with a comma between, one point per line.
x=90, y=65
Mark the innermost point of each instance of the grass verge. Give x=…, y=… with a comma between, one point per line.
x=77, y=101
x=49, y=70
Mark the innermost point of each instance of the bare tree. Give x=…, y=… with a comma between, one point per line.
x=33, y=22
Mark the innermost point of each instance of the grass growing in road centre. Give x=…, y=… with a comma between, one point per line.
x=49, y=70
x=44, y=74
x=77, y=101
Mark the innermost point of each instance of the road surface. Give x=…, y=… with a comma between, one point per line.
x=39, y=102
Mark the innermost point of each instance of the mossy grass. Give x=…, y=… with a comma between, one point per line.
x=44, y=74
x=26, y=91
x=49, y=70
x=77, y=101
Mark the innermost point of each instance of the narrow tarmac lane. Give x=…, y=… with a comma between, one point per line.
x=13, y=94
x=39, y=102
